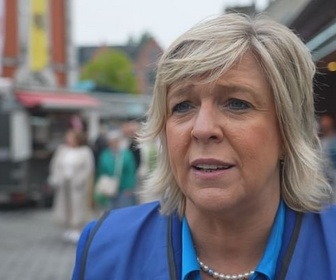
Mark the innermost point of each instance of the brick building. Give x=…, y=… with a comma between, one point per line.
x=38, y=50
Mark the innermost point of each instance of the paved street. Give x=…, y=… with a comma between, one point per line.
x=31, y=247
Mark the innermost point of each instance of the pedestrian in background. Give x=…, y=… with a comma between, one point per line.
x=100, y=144
x=71, y=174
x=113, y=156
x=243, y=194
x=328, y=142
x=130, y=130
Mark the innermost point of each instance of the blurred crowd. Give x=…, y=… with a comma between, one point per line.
x=77, y=166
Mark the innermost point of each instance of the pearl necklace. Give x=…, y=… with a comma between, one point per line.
x=222, y=276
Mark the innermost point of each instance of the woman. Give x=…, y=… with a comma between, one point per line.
x=243, y=195
x=71, y=173
x=118, y=161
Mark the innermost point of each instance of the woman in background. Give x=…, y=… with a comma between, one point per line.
x=108, y=162
x=71, y=173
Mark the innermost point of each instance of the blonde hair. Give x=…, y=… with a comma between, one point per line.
x=207, y=51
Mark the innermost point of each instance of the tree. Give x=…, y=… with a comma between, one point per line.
x=111, y=69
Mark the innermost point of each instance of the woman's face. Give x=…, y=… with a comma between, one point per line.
x=114, y=144
x=70, y=139
x=223, y=139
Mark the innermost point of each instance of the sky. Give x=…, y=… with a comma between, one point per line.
x=97, y=22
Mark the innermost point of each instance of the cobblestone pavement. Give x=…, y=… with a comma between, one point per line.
x=31, y=247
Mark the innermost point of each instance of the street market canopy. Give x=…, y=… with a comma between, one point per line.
x=56, y=100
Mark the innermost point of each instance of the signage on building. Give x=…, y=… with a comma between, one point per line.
x=38, y=39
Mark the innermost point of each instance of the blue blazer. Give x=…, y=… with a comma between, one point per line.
x=139, y=243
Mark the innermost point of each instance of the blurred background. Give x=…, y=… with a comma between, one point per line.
x=91, y=65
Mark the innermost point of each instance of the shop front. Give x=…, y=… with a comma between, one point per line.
x=32, y=126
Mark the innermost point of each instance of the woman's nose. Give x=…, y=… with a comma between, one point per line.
x=206, y=126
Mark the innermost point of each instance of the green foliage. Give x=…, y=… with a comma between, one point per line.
x=111, y=69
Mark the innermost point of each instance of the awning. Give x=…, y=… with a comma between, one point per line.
x=56, y=100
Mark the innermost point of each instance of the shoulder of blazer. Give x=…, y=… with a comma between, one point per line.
x=123, y=224
x=312, y=247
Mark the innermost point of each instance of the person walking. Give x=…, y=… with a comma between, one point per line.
x=116, y=158
x=71, y=174
x=130, y=130
x=100, y=143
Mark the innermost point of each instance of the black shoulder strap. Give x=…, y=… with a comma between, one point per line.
x=171, y=262
x=287, y=259
x=88, y=243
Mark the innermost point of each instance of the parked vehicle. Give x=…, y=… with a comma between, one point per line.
x=22, y=178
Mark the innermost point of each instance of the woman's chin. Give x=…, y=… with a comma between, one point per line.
x=213, y=199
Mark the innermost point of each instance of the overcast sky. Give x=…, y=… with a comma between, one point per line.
x=114, y=21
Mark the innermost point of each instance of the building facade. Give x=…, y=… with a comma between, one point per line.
x=38, y=50
x=315, y=22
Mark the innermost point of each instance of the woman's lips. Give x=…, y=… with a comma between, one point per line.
x=210, y=167
x=210, y=164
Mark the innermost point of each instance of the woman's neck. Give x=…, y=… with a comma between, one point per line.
x=232, y=243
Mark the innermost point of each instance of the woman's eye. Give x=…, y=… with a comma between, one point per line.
x=182, y=107
x=237, y=104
